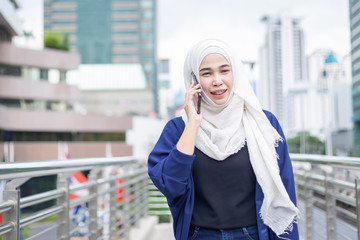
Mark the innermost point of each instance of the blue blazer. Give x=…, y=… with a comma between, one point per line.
x=171, y=172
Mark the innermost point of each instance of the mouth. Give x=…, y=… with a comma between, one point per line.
x=219, y=93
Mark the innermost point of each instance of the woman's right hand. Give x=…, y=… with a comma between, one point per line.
x=186, y=143
x=192, y=115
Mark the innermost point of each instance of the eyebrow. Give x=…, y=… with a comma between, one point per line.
x=224, y=65
x=207, y=69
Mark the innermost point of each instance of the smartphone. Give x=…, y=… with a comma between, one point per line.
x=199, y=94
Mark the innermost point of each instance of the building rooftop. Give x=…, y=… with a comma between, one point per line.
x=108, y=77
x=331, y=59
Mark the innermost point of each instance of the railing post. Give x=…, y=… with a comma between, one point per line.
x=126, y=208
x=145, y=197
x=13, y=215
x=137, y=201
x=93, y=206
x=112, y=207
x=330, y=208
x=309, y=207
x=357, y=190
x=63, y=231
x=296, y=186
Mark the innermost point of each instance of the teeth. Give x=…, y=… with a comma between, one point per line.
x=218, y=93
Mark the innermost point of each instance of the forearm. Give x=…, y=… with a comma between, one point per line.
x=186, y=143
x=169, y=168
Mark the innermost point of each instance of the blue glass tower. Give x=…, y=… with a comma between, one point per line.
x=108, y=31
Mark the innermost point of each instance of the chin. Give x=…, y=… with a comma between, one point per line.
x=220, y=101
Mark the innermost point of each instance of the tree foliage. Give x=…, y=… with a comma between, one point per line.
x=306, y=143
x=56, y=40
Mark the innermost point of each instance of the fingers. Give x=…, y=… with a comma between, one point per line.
x=195, y=87
x=190, y=96
x=192, y=92
x=192, y=85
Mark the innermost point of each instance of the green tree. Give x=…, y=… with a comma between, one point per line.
x=306, y=143
x=65, y=43
x=56, y=40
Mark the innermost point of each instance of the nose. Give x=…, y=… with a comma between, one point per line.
x=217, y=81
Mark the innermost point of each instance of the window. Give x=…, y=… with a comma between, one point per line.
x=164, y=66
x=10, y=70
x=146, y=4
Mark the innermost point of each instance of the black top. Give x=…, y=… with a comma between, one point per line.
x=224, y=191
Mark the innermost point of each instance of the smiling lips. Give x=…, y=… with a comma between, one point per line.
x=219, y=93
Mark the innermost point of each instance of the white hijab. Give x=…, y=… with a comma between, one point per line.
x=226, y=128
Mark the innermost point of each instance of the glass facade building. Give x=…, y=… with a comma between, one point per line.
x=282, y=65
x=108, y=31
x=354, y=13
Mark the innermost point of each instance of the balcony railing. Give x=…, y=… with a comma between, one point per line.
x=115, y=198
x=324, y=184
x=331, y=184
x=119, y=195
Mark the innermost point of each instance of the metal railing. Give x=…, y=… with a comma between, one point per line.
x=115, y=198
x=332, y=184
x=119, y=194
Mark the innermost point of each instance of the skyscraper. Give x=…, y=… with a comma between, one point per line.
x=282, y=65
x=108, y=31
x=354, y=13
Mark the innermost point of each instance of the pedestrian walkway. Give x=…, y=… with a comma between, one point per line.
x=344, y=230
x=163, y=231
x=149, y=230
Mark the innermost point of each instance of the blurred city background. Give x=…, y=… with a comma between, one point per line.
x=99, y=79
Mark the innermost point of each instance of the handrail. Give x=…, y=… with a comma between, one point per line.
x=40, y=168
x=41, y=197
x=40, y=215
x=61, y=164
x=6, y=206
x=5, y=228
x=326, y=159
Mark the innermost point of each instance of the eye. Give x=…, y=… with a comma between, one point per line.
x=225, y=70
x=205, y=74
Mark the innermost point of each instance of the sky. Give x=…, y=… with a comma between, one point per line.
x=182, y=23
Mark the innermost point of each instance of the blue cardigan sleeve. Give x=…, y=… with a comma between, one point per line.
x=168, y=168
x=286, y=173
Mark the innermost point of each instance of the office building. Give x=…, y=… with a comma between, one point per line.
x=165, y=95
x=113, y=89
x=329, y=100
x=354, y=14
x=110, y=31
x=282, y=65
x=38, y=108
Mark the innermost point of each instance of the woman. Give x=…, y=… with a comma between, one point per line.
x=226, y=172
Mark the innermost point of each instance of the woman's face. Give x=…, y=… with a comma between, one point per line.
x=216, y=77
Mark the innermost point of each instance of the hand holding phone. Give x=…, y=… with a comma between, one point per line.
x=199, y=94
